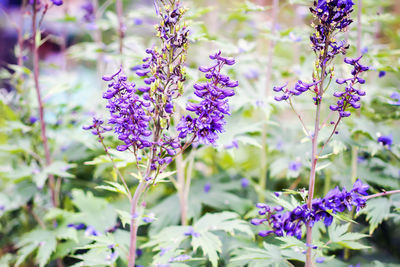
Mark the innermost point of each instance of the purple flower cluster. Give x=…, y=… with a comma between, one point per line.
x=290, y=222
x=351, y=96
x=385, y=140
x=214, y=105
x=97, y=128
x=331, y=16
x=129, y=113
x=299, y=88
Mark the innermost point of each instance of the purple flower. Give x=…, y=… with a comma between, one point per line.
x=77, y=226
x=244, y=182
x=57, y=2
x=351, y=96
x=385, y=140
x=32, y=119
x=320, y=260
x=191, y=232
x=91, y=231
x=382, y=73
x=147, y=219
x=290, y=222
x=207, y=187
x=213, y=107
x=395, y=96
x=295, y=166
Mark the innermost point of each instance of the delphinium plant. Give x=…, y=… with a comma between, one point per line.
x=142, y=116
x=331, y=19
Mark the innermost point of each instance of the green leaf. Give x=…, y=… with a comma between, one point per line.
x=114, y=187
x=338, y=234
x=209, y=244
x=46, y=248
x=377, y=210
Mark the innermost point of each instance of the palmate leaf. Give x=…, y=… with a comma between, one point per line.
x=225, y=221
x=44, y=241
x=377, y=210
x=338, y=234
x=269, y=255
x=209, y=244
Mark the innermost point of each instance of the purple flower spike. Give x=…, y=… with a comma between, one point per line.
x=213, y=107
x=290, y=222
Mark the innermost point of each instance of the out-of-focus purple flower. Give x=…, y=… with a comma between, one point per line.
x=89, y=15
x=139, y=252
x=252, y=74
x=112, y=256
x=2, y=207
x=244, y=182
x=32, y=119
x=207, y=187
x=91, y=231
x=79, y=226
x=191, y=232
x=320, y=260
x=147, y=219
x=395, y=96
x=234, y=144
x=385, y=140
x=295, y=166
x=57, y=2
x=290, y=222
x=294, y=38
x=382, y=73
x=356, y=265
x=137, y=21
x=277, y=194
x=163, y=251
x=364, y=50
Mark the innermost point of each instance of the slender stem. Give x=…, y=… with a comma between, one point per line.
x=35, y=49
x=314, y=156
x=271, y=48
x=385, y=193
x=121, y=30
x=330, y=136
x=300, y=118
x=133, y=227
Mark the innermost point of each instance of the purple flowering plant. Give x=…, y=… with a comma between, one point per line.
x=142, y=116
x=331, y=19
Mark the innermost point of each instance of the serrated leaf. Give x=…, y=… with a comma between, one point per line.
x=377, y=210
x=209, y=244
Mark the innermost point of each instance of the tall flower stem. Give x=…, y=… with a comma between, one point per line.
x=35, y=49
x=314, y=147
x=133, y=226
x=264, y=160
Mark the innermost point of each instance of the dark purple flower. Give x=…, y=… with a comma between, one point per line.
x=385, y=140
x=290, y=222
x=32, y=119
x=214, y=105
x=382, y=73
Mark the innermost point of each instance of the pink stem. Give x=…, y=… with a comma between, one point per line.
x=40, y=102
x=386, y=193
